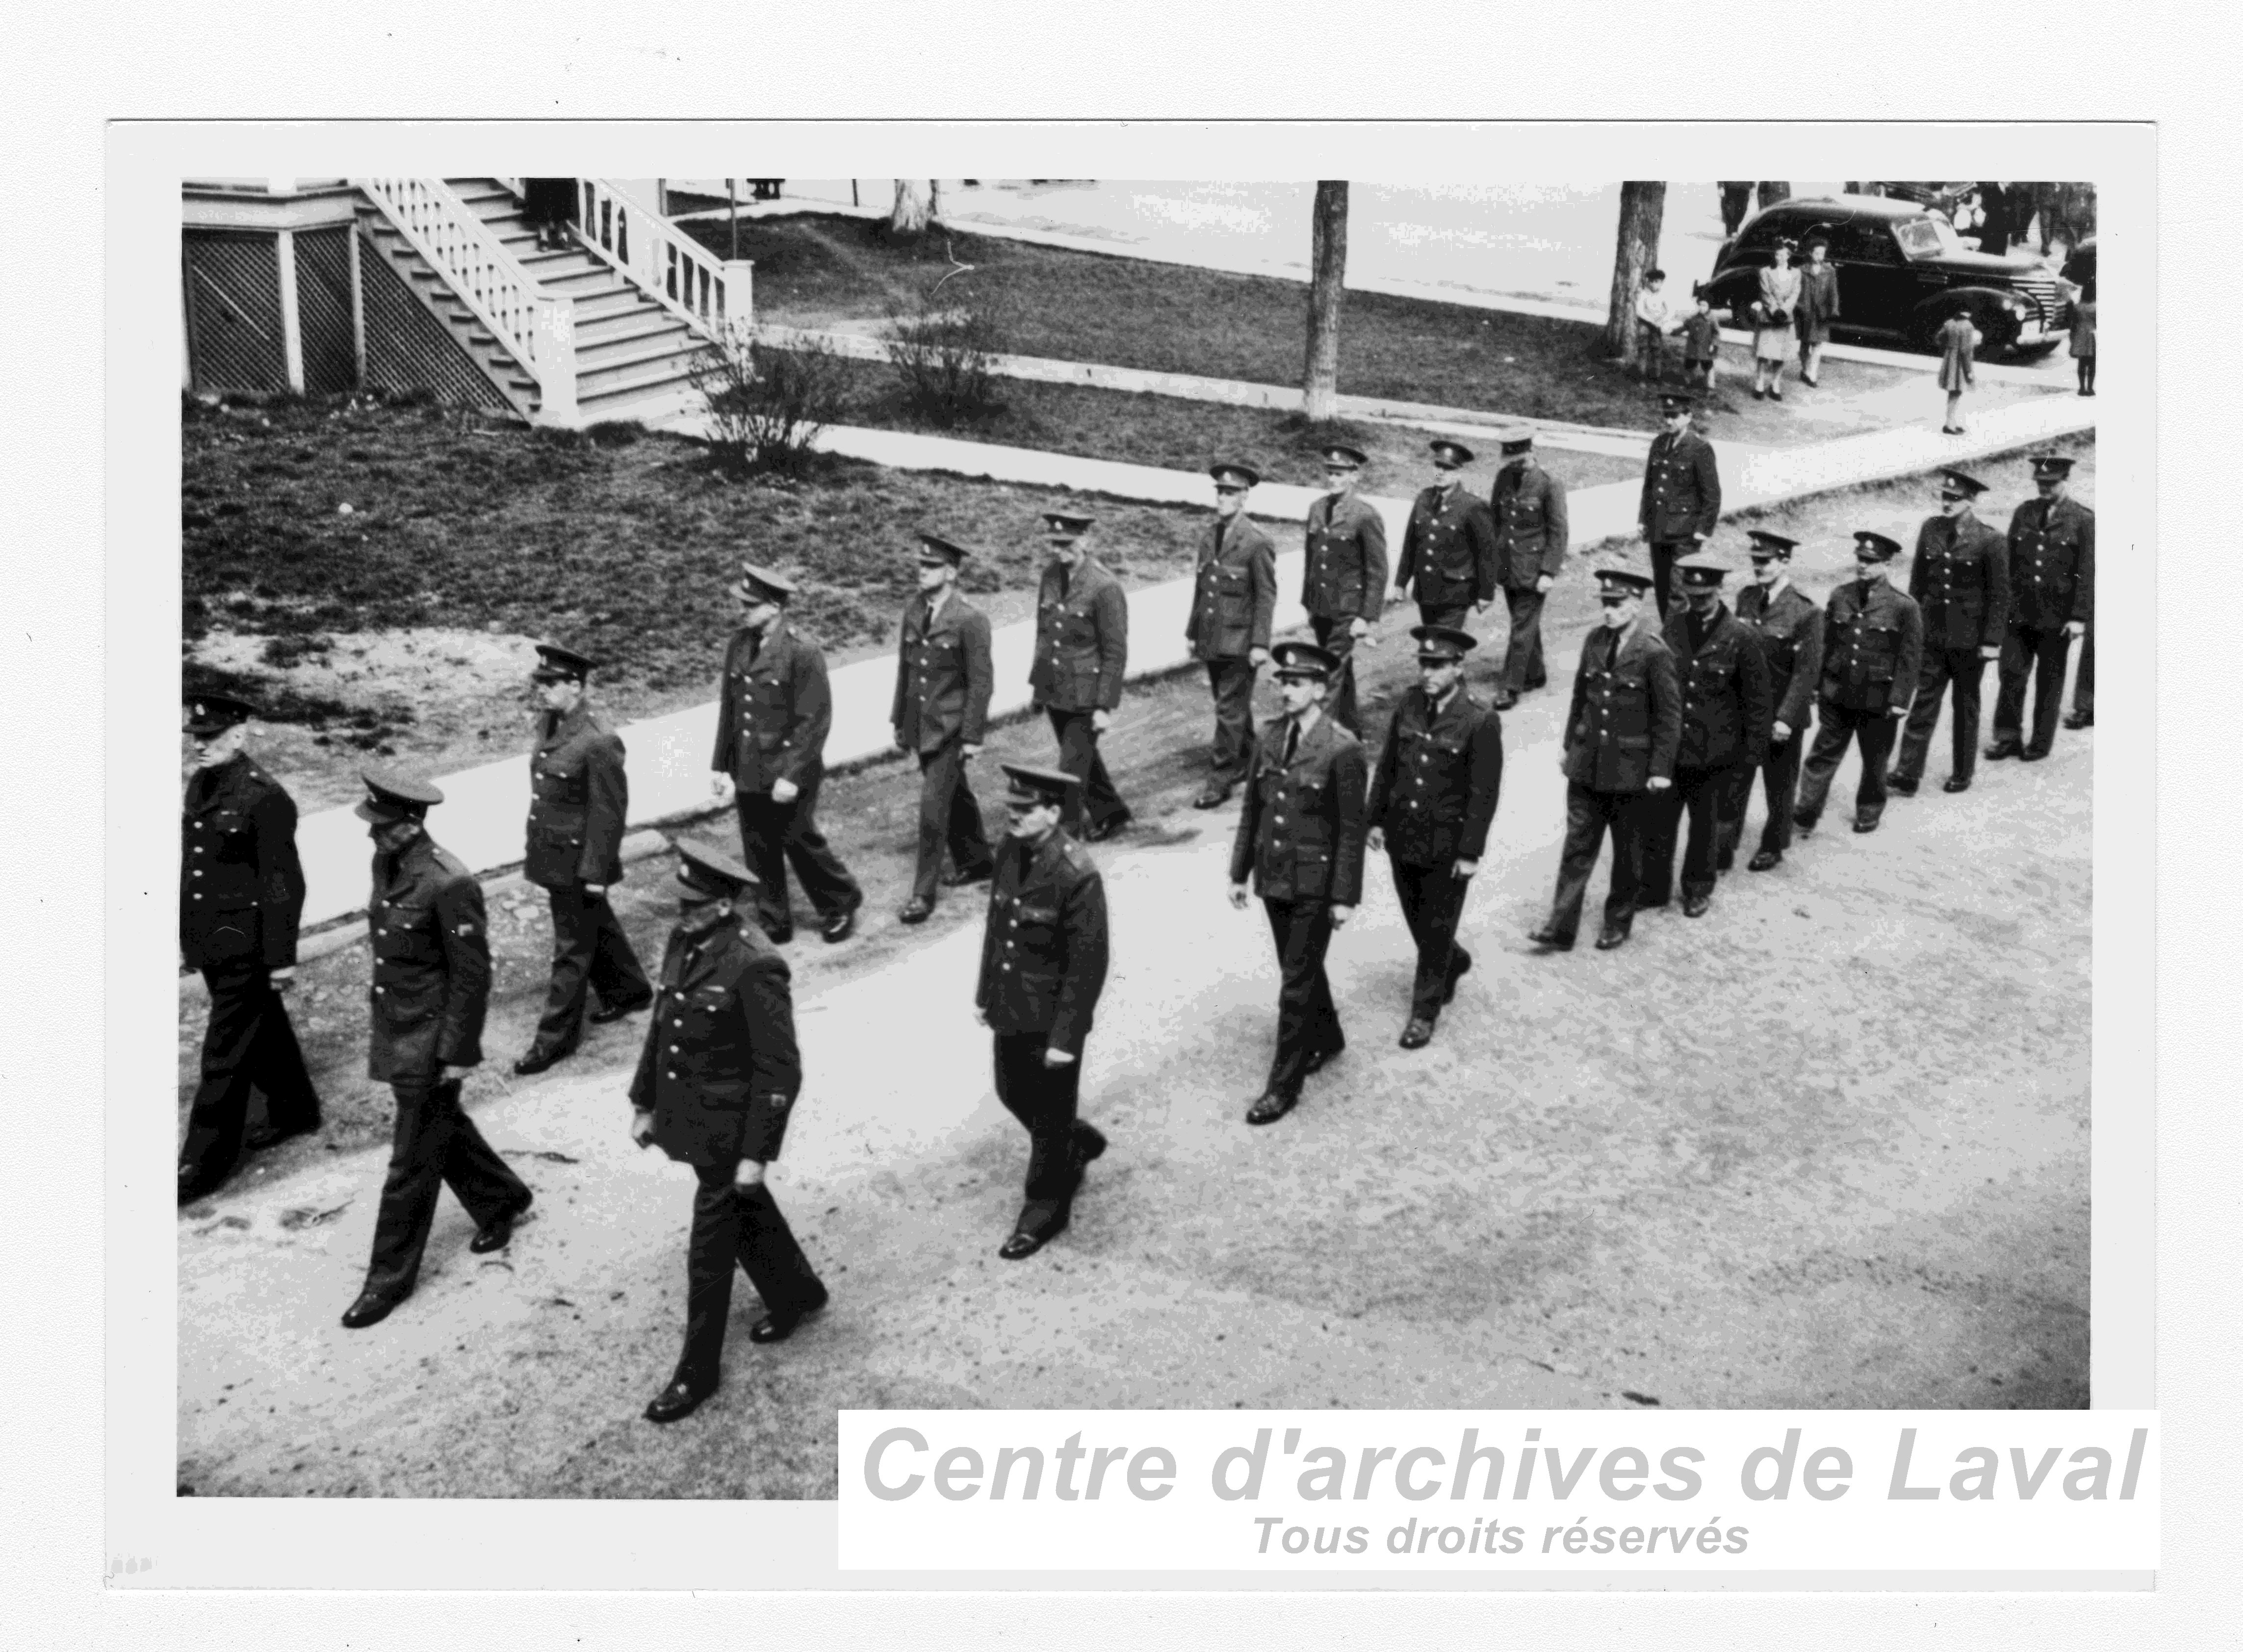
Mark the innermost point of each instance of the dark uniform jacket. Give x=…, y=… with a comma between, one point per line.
x=1043, y=950
x=1082, y=639
x=578, y=800
x=1727, y=705
x=1790, y=635
x=943, y=681
x=1300, y=833
x=1236, y=591
x=242, y=887
x=1626, y=721
x=1448, y=550
x=720, y=1071
x=1529, y=507
x=775, y=711
x=1961, y=581
x=1433, y=792
x=1344, y=564
x=432, y=964
x=2051, y=563
x=1872, y=647
x=1681, y=488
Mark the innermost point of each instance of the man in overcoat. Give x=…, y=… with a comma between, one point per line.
x=1301, y=839
x=432, y=974
x=1233, y=598
x=1818, y=307
x=579, y=799
x=940, y=715
x=1343, y=572
x=1788, y=626
x=241, y=897
x=1043, y=966
x=1960, y=578
x=1082, y=653
x=1872, y=659
x=1432, y=799
x=1528, y=505
x=2051, y=601
x=714, y=1087
x=1681, y=499
x=773, y=712
x=1448, y=549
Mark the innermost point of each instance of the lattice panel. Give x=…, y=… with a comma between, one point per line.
x=233, y=312
x=323, y=310
x=408, y=349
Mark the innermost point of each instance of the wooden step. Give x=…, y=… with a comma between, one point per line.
x=627, y=325
x=601, y=365
x=668, y=373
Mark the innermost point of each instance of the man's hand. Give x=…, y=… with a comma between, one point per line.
x=902, y=744
x=1101, y=722
x=595, y=890
x=2075, y=628
x=1697, y=539
x=1401, y=594
x=1660, y=782
x=282, y=978
x=1359, y=627
x=1340, y=915
x=1782, y=730
x=1465, y=869
x=1375, y=840
x=1257, y=657
x=720, y=785
x=784, y=791
x=749, y=1173
x=1238, y=896
x=1057, y=1057
x=980, y=1015
x=1480, y=606
x=642, y=1126
x=969, y=752
x=1543, y=584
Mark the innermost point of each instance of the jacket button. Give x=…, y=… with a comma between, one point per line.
x=377, y=991
x=673, y=1050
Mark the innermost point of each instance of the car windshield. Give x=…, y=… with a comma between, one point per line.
x=1927, y=237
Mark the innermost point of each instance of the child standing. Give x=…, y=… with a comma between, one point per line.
x=2083, y=339
x=1701, y=342
x=1653, y=321
x=1958, y=342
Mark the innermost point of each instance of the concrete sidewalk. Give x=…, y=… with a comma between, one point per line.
x=481, y=820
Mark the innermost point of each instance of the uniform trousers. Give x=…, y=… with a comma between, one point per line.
x=1096, y=799
x=1452, y=614
x=1663, y=552
x=434, y=1144
x=1589, y=815
x=2038, y=652
x=774, y=836
x=248, y=1043
x=743, y=1226
x=1232, y=684
x=590, y=950
x=1308, y=1020
x=1522, y=660
x=1338, y=637
x=1700, y=793
x=1432, y=900
x=1779, y=779
x=1045, y=1100
x=2083, y=682
x=1836, y=727
x=1963, y=667
x=949, y=818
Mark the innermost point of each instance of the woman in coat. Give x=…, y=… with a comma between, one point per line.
x=1958, y=341
x=1779, y=299
x=1818, y=308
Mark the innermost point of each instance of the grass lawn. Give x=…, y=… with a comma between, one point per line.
x=814, y=271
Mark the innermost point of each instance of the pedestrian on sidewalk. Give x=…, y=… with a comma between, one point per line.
x=2082, y=337
x=1960, y=578
x=1788, y=627
x=1448, y=549
x=1301, y=839
x=2051, y=601
x=1701, y=342
x=1343, y=572
x=1432, y=799
x=1736, y=201
x=1528, y=507
x=1654, y=319
x=1681, y=499
x=714, y=1087
x=1234, y=599
x=1082, y=650
x=1872, y=655
x=1818, y=308
x=1043, y=967
x=1621, y=734
x=432, y=974
x=941, y=716
x=1958, y=342
x=241, y=898
x=774, y=714
x=1772, y=323
x=579, y=799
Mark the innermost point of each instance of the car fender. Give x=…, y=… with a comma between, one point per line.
x=1992, y=310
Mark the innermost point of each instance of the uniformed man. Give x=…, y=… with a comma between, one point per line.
x=578, y=801
x=1301, y=839
x=1788, y=627
x=1872, y=655
x=1448, y=549
x=772, y=717
x=1961, y=580
x=941, y=714
x=1682, y=494
x=1234, y=597
x=1726, y=709
x=2051, y=601
x=714, y=1087
x=241, y=897
x=1622, y=732
x=1528, y=506
x=1043, y=965
x=1432, y=799
x=1082, y=651
x=432, y=973
x=1343, y=572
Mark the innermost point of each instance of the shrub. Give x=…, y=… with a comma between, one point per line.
x=767, y=406
x=942, y=356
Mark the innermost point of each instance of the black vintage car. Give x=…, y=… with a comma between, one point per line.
x=1901, y=272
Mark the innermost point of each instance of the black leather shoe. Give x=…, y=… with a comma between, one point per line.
x=975, y=875
x=1504, y=701
x=916, y=911
x=501, y=1232
x=1696, y=905
x=264, y=1137
x=1089, y=1143
x=1653, y=906
x=1765, y=859
x=538, y=1060
x=1613, y=936
x=1550, y=941
x=2002, y=748
x=680, y=1399
x=778, y=1327
x=617, y=1011
x=1270, y=1107
x=1865, y=825
x=2032, y=754
x=1319, y=1059
x=1417, y=1034
x=842, y=924
x=1212, y=797
x=192, y=1188
x=1458, y=968
x=1803, y=824
x=1110, y=828
x=369, y=1309
x=1902, y=785
x=1021, y=1246
x=778, y=934
x=2079, y=719
x=1726, y=861
x=1955, y=783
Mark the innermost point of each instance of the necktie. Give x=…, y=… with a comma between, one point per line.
x=1292, y=740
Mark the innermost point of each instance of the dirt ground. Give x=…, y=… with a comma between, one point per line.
x=1825, y=1147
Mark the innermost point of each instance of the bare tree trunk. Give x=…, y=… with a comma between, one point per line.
x=1642, y=208
x=1327, y=286
x=914, y=207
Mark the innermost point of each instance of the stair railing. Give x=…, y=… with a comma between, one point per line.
x=714, y=295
